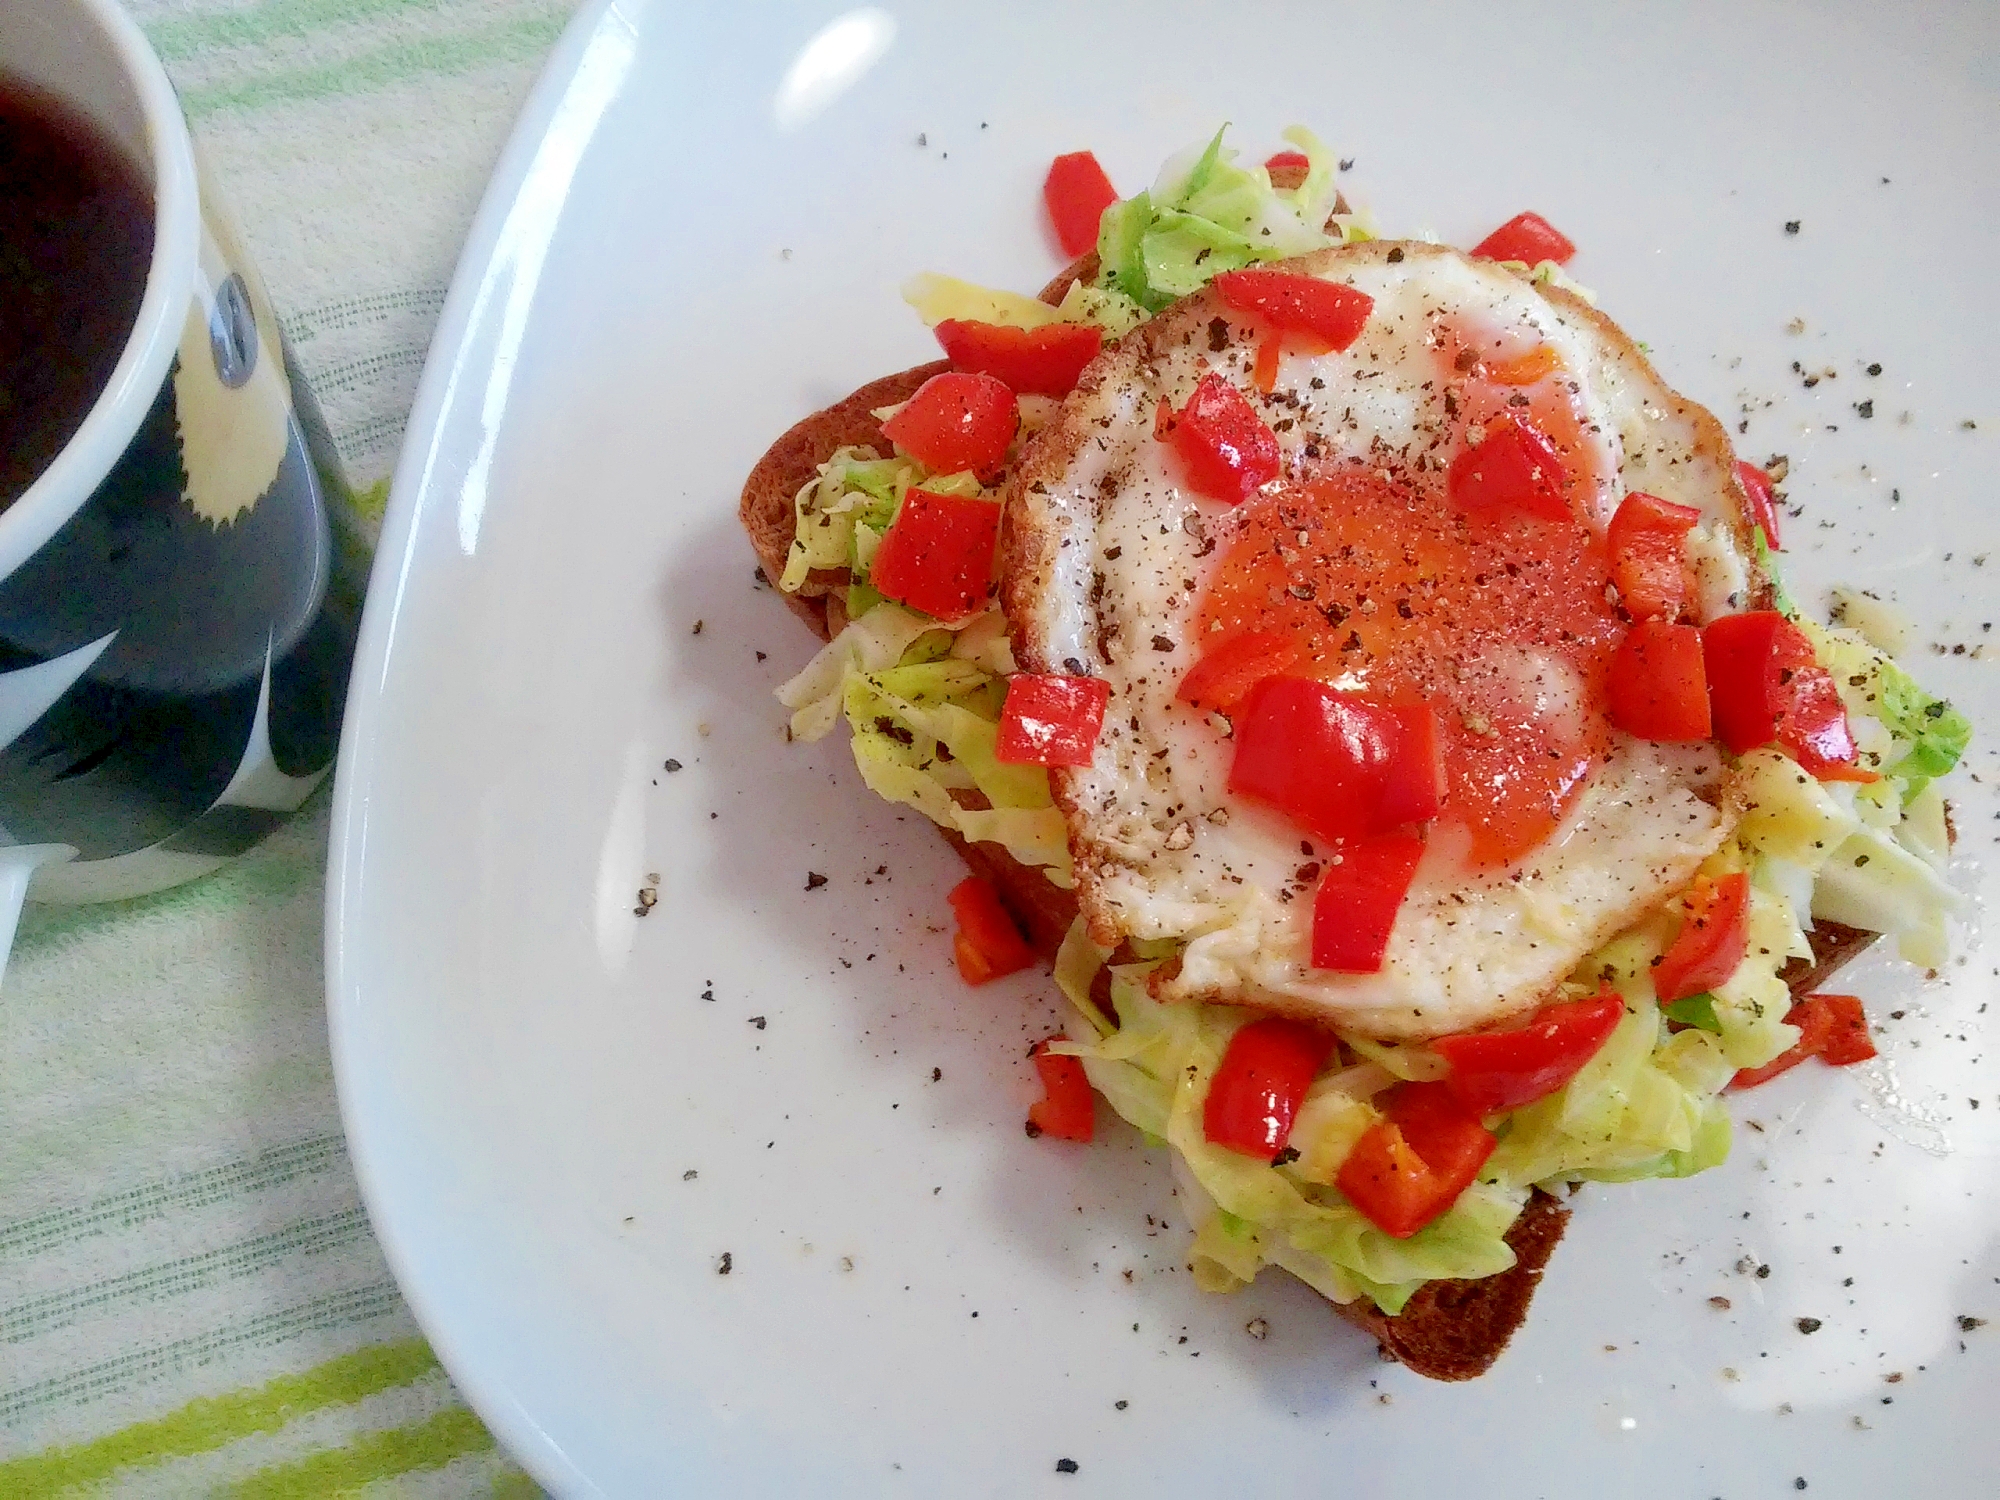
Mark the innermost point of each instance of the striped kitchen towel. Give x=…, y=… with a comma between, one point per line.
x=191, y=1300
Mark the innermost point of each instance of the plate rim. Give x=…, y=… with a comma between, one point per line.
x=522, y=1438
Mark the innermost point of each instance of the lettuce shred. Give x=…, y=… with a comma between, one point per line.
x=1646, y=1106
x=922, y=705
x=1205, y=215
x=1928, y=735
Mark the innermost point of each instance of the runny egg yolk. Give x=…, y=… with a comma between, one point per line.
x=1499, y=621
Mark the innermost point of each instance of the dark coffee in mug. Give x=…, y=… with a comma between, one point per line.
x=76, y=238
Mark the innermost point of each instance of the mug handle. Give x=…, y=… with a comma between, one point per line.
x=18, y=864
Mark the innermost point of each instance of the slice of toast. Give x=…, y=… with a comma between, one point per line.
x=1450, y=1330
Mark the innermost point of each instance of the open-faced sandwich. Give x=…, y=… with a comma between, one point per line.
x=1368, y=682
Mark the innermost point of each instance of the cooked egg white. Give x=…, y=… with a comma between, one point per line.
x=1107, y=556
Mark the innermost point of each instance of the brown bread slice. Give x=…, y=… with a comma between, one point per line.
x=788, y=465
x=1454, y=1330
x=1450, y=1330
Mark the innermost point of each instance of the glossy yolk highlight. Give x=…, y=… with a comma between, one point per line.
x=1500, y=622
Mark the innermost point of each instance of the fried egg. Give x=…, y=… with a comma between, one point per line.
x=1558, y=831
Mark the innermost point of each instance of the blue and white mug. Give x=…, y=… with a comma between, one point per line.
x=181, y=584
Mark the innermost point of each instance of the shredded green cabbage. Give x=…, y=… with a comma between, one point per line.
x=1646, y=1106
x=1929, y=734
x=922, y=703
x=856, y=490
x=937, y=298
x=1205, y=215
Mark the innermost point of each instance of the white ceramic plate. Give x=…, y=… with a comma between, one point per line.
x=566, y=1116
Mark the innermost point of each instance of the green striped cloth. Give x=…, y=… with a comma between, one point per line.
x=191, y=1300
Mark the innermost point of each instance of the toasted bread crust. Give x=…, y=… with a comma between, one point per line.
x=1455, y=1330
x=1833, y=946
x=791, y=463
x=1450, y=1330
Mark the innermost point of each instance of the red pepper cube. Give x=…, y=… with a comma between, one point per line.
x=1077, y=192
x=1527, y=237
x=1410, y=1168
x=1067, y=1109
x=1051, y=720
x=1452, y=1140
x=1287, y=161
x=1225, y=446
x=1513, y=467
x=957, y=421
x=1494, y=1071
x=1750, y=658
x=1354, y=910
x=1766, y=685
x=1762, y=500
x=937, y=555
x=987, y=943
x=1816, y=730
x=1328, y=311
x=1843, y=1029
x=1258, y=1086
x=1657, y=688
x=1231, y=667
x=1713, y=938
x=1648, y=544
x=1816, y=1023
x=1340, y=764
x=1029, y=361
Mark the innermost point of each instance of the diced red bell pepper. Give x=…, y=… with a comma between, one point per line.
x=1648, y=543
x=1288, y=161
x=1341, y=764
x=1514, y=467
x=1231, y=667
x=1763, y=501
x=1029, y=361
x=1354, y=909
x=937, y=555
x=1067, y=1109
x=1451, y=1139
x=1392, y=1186
x=1832, y=1028
x=1226, y=447
x=987, y=943
x=1077, y=192
x=1527, y=237
x=1328, y=311
x=957, y=421
x=1492, y=1071
x=1844, y=1029
x=1765, y=685
x=1411, y=1167
x=1821, y=740
x=1255, y=1094
x=1713, y=938
x=1051, y=720
x=1657, y=688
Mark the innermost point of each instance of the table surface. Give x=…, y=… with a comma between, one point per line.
x=191, y=1299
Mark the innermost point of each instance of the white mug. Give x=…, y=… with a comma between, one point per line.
x=180, y=585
